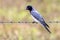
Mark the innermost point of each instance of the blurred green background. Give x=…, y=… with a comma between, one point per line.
x=15, y=10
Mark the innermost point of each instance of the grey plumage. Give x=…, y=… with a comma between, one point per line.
x=38, y=17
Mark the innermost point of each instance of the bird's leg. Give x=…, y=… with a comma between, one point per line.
x=34, y=22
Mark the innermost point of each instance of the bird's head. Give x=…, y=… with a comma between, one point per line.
x=29, y=8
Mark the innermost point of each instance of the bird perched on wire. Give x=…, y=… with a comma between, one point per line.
x=37, y=17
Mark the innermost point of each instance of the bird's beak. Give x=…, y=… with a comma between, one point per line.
x=26, y=9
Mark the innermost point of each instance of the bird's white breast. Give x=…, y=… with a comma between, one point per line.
x=35, y=19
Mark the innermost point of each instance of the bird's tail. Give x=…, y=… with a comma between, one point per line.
x=46, y=27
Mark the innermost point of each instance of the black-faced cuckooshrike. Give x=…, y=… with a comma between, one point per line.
x=37, y=17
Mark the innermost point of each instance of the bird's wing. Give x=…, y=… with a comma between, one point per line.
x=37, y=16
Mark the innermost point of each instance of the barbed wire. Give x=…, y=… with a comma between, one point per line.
x=31, y=22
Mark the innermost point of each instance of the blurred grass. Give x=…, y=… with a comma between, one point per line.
x=14, y=10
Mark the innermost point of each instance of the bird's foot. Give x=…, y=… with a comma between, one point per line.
x=34, y=22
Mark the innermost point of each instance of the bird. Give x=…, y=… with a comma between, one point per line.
x=37, y=17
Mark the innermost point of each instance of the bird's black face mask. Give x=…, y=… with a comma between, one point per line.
x=29, y=8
